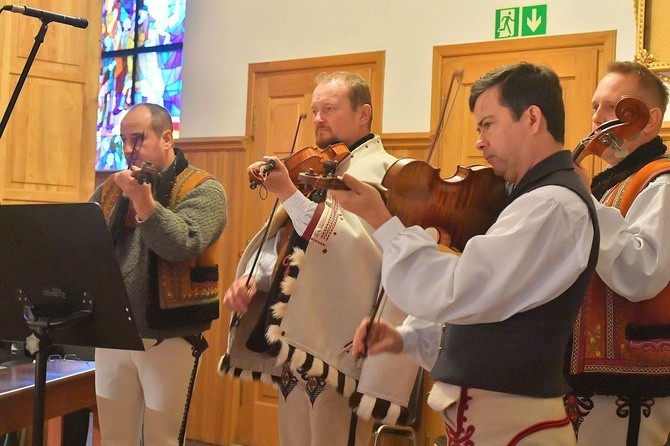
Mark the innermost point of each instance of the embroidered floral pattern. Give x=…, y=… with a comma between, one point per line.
x=577, y=409
x=592, y=342
x=462, y=435
x=313, y=387
x=287, y=381
x=625, y=406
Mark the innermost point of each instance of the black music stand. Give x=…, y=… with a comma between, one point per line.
x=60, y=283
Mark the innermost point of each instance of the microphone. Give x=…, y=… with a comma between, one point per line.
x=46, y=16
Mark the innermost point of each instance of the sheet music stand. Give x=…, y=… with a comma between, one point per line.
x=60, y=281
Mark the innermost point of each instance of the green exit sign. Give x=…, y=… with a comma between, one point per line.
x=521, y=21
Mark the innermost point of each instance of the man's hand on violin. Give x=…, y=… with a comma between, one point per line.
x=238, y=295
x=273, y=175
x=363, y=200
x=139, y=194
x=383, y=337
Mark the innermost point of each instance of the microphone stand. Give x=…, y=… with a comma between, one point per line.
x=39, y=38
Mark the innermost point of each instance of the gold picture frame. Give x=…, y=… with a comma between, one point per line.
x=651, y=48
x=652, y=35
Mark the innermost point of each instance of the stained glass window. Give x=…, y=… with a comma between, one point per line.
x=141, y=61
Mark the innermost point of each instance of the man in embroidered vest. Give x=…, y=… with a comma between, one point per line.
x=165, y=233
x=620, y=355
x=324, y=280
x=508, y=302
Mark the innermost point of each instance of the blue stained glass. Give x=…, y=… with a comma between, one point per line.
x=118, y=25
x=135, y=75
x=114, y=97
x=161, y=22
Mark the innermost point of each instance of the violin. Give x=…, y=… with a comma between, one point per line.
x=146, y=174
x=307, y=159
x=313, y=159
x=633, y=116
x=459, y=207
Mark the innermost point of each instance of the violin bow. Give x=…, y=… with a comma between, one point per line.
x=124, y=202
x=236, y=317
x=447, y=107
x=457, y=79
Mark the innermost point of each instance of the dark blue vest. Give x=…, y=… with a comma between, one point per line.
x=523, y=355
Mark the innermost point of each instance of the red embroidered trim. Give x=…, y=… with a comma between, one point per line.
x=462, y=436
x=537, y=428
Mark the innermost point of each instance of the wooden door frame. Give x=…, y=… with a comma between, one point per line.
x=604, y=39
x=326, y=63
x=603, y=42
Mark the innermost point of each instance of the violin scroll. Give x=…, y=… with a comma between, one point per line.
x=634, y=112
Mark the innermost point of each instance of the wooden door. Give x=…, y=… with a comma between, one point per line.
x=280, y=93
x=579, y=60
x=47, y=150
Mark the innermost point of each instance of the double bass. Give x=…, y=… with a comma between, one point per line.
x=632, y=116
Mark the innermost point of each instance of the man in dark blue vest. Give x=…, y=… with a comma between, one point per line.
x=508, y=301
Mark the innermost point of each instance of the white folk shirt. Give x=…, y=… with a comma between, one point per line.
x=634, y=256
x=535, y=251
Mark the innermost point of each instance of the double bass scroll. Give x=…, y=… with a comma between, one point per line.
x=633, y=116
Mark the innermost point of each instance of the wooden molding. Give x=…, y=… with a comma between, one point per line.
x=213, y=144
x=397, y=143
x=665, y=132
x=407, y=141
x=372, y=62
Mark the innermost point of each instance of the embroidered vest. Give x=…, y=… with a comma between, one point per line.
x=524, y=354
x=622, y=347
x=187, y=291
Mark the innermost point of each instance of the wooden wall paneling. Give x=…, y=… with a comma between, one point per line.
x=414, y=145
x=49, y=144
x=213, y=413
x=665, y=133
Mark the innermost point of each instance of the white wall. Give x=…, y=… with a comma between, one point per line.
x=224, y=36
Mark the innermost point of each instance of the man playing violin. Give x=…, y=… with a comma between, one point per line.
x=164, y=234
x=620, y=354
x=507, y=304
x=320, y=270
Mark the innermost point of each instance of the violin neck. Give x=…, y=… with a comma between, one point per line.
x=578, y=154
